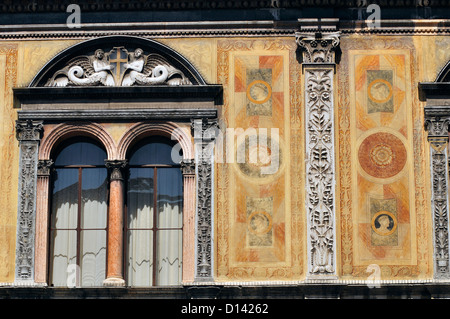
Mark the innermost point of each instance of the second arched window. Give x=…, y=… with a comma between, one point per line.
x=154, y=217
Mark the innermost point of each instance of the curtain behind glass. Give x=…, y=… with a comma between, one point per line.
x=93, y=222
x=153, y=150
x=140, y=224
x=64, y=224
x=70, y=236
x=170, y=222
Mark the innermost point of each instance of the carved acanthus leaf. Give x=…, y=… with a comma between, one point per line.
x=319, y=48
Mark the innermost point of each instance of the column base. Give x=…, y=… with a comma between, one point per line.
x=114, y=282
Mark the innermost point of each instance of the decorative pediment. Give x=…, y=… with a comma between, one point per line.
x=118, y=61
x=118, y=67
x=116, y=78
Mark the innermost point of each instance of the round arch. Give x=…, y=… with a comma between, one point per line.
x=167, y=129
x=67, y=130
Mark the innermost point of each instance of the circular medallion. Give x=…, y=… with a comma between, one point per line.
x=382, y=155
x=259, y=156
x=259, y=92
x=259, y=159
x=380, y=91
x=259, y=223
x=384, y=223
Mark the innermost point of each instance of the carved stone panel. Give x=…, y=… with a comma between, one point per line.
x=438, y=137
x=318, y=63
x=204, y=135
x=320, y=170
x=28, y=134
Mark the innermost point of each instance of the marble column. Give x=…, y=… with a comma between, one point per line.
x=318, y=68
x=438, y=130
x=188, y=171
x=114, y=277
x=29, y=134
x=42, y=217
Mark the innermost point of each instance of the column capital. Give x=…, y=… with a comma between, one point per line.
x=44, y=167
x=438, y=130
x=116, y=167
x=437, y=126
x=188, y=166
x=29, y=130
x=318, y=47
x=204, y=129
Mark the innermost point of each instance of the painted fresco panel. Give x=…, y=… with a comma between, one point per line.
x=259, y=233
x=382, y=162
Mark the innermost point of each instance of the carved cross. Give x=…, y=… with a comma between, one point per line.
x=117, y=58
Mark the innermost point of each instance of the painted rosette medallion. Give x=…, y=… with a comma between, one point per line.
x=382, y=155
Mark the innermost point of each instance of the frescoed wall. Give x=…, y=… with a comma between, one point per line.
x=382, y=157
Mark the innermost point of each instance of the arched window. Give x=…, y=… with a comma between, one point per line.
x=78, y=218
x=154, y=217
x=51, y=233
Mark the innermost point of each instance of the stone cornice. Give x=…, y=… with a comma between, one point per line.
x=38, y=6
x=120, y=114
x=263, y=28
x=429, y=90
x=132, y=93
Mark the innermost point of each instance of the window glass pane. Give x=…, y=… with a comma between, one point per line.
x=63, y=254
x=140, y=198
x=170, y=198
x=80, y=151
x=94, y=187
x=140, y=258
x=153, y=150
x=161, y=259
x=93, y=257
x=169, y=257
x=65, y=198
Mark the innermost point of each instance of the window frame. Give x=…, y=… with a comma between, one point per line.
x=63, y=144
x=154, y=228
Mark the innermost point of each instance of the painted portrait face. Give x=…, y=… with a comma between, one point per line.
x=384, y=223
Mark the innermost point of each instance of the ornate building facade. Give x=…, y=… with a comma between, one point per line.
x=225, y=148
